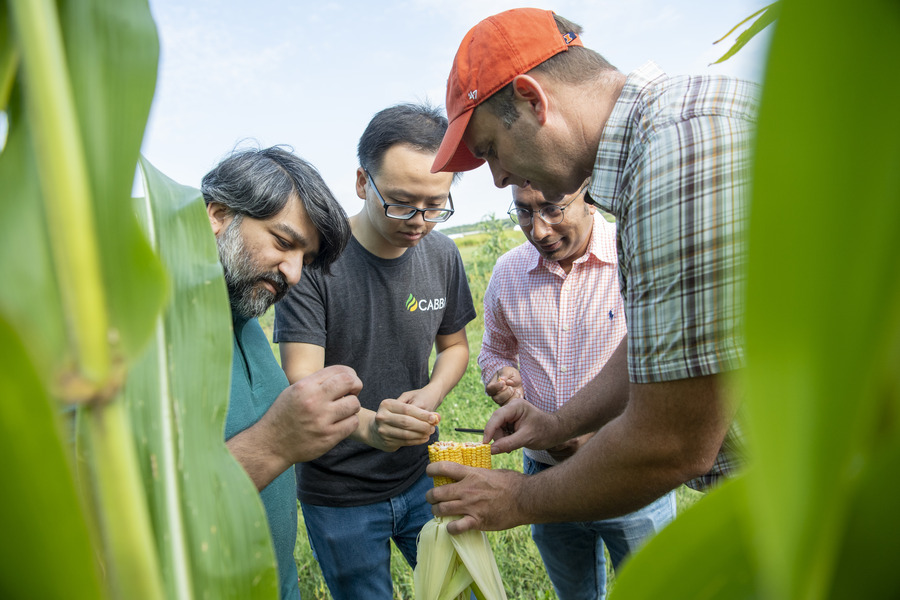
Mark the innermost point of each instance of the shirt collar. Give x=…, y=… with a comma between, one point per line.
x=615, y=139
x=601, y=246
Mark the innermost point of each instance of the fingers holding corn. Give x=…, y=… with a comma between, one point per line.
x=398, y=424
x=465, y=453
x=456, y=566
x=489, y=500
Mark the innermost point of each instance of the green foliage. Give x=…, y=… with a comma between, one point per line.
x=41, y=508
x=817, y=508
x=137, y=515
x=206, y=546
x=470, y=228
x=79, y=83
x=767, y=16
x=480, y=252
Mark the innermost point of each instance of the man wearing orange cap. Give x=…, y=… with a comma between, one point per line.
x=669, y=157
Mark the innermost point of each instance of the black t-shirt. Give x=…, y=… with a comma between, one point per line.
x=380, y=317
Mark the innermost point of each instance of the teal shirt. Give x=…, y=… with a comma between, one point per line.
x=256, y=381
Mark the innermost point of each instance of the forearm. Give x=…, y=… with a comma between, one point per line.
x=449, y=367
x=601, y=400
x=499, y=346
x=251, y=450
x=668, y=434
x=597, y=486
x=494, y=357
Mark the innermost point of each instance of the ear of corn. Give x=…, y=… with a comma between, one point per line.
x=464, y=453
x=450, y=567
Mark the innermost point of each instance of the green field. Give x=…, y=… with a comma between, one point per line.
x=466, y=406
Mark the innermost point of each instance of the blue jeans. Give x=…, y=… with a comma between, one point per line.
x=353, y=544
x=573, y=552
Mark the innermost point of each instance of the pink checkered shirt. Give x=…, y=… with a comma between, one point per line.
x=557, y=329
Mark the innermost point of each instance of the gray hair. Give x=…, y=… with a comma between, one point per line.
x=258, y=183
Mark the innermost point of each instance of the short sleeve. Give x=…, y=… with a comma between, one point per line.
x=460, y=307
x=682, y=249
x=300, y=315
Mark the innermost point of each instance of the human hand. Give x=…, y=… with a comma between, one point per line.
x=311, y=416
x=398, y=423
x=519, y=424
x=505, y=385
x=486, y=499
x=427, y=398
x=565, y=450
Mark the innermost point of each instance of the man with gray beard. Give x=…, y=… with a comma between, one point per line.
x=272, y=215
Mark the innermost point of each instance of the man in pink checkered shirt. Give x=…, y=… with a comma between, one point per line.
x=553, y=316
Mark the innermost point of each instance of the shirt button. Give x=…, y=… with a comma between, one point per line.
x=565, y=328
x=563, y=369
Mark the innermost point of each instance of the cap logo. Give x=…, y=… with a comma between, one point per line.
x=569, y=37
x=473, y=95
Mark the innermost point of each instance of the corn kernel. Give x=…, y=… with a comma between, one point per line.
x=465, y=453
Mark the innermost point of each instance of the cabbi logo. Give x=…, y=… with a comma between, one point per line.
x=436, y=304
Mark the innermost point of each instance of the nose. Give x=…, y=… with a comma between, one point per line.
x=501, y=177
x=539, y=229
x=418, y=217
x=291, y=267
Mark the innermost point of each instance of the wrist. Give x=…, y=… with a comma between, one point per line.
x=365, y=430
x=435, y=392
x=523, y=512
x=559, y=430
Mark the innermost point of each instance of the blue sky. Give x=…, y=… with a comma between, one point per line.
x=312, y=74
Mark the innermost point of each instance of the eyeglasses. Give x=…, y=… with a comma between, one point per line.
x=552, y=214
x=405, y=212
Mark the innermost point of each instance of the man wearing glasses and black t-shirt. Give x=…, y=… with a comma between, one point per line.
x=397, y=290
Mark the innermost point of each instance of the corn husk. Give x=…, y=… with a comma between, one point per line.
x=450, y=567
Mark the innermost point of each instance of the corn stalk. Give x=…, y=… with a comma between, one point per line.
x=79, y=319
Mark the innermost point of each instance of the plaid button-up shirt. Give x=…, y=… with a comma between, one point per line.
x=558, y=329
x=673, y=167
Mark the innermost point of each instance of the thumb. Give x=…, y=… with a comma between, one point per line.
x=461, y=524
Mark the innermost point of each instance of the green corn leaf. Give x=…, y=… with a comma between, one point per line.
x=769, y=15
x=112, y=49
x=211, y=528
x=89, y=292
x=822, y=395
x=46, y=552
x=9, y=60
x=704, y=554
x=823, y=314
x=871, y=545
x=33, y=303
x=64, y=189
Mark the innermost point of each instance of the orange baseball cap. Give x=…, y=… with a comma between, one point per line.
x=491, y=55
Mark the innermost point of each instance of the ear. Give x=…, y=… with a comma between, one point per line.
x=361, y=181
x=219, y=216
x=527, y=89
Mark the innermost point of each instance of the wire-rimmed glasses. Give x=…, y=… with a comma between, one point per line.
x=552, y=214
